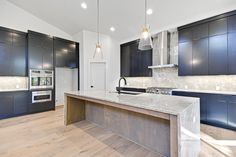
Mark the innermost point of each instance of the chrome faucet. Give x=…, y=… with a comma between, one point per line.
x=122, y=78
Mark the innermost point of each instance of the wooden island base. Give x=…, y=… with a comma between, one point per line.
x=153, y=130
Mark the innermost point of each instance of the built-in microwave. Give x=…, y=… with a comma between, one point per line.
x=41, y=79
x=41, y=96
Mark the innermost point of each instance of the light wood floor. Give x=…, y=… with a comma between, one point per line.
x=44, y=135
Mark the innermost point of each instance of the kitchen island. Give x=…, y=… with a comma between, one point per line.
x=167, y=125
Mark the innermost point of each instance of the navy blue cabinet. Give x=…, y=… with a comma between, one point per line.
x=232, y=23
x=21, y=101
x=232, y=111
x=215, y=109
x=213, y=49
x=125, y=55
x=218, y=55
x=232, y=53
x=66, y=53
x=185, y=35
x=133, y=62
x=185, y=58
x=13, y=103
x=40, y=51
x=12, y=53
x=218, y=27
x=6, y=105
x=200, y=57
x=18, y=56
x=200, y=31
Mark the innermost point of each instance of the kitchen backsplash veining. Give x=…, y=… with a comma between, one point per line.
x=13, y=83
x=168, y=77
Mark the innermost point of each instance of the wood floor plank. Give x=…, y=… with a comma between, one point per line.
x=44, y=135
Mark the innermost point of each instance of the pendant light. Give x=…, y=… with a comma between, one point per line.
x=145, y=42
x=98, y=48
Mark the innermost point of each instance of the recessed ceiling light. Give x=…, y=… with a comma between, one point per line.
x=149, y=11
x=84, y=5
x=112, y=29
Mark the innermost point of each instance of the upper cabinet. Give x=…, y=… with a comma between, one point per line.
x=218, y=27
x=40, y=51
x=208, y=47
x=66, y=53
x=185, y=58
x=12, y=53
x=133, y=62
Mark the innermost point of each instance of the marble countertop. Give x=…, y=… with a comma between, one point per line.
x=207, y=91
x=13, y=90
x=195, y=90
x=168, y=104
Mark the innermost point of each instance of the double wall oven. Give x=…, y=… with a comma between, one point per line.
x=41, y=83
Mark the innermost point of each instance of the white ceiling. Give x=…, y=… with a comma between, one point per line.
x=127, y=16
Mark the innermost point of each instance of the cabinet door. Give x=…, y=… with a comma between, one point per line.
x=203, y=107
x=66, y=53
x=47, y=53
x=200, y=57
x=125, y=65
x=185, y=58
x=6, y=105
x=218, y=27
x=200, y=31
x=145, y=61
x=185, y=35
x=5, y=53
x=135, y=60
x=218, y=55
x=59, y=51
x=5, y=37
x=232, y=53
x=232, y=111
x=5, y=60
x=217, y=110
x=72, y=55
x=232, y=23
x=18, y=55
x=21, y=102
x=35, y=51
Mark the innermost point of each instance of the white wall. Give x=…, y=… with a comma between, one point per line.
x=66, y=80
x=16, y=18
x=111, y=54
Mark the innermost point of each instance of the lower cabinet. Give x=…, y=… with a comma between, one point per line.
x=232, y=111
x=215, y=109
x=20, y=103
x=13, y=103
x=21, y=100
x=6, y=105
x=41, y=107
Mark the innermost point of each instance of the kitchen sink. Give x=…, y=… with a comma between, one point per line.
x=128, y=92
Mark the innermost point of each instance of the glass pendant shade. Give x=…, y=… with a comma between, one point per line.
x=98, y=50
x=145, y=42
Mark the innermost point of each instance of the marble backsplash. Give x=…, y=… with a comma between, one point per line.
x=168, y=77
x=13, y=83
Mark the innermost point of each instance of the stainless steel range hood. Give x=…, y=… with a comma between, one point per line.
x=165, y=49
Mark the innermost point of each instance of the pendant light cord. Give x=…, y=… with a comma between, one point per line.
x=98, y=34
x=145, y=13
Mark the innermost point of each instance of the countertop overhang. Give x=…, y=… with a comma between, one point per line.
x=168, y=104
